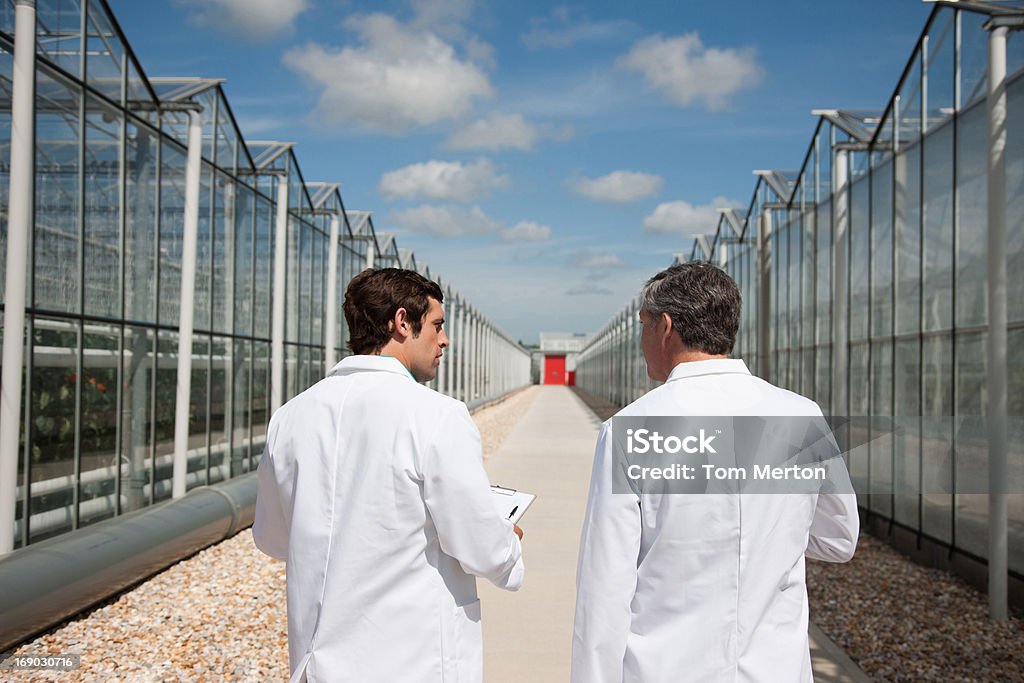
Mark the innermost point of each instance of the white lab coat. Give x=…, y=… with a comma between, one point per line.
x=372, y=488
x=702, y=587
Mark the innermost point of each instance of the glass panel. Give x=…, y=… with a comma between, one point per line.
x=881, y=438
x=938, y=229
x=972, y=209
x=52, y=420
x=1015, y=406
x=240, y=447
x=136, y=417
x=859, y=406
x=98, y=465
x=166, y=400
x=260, y=394
x=172, y=223
x=292, y=291
x=263, y=267
x=198, y=417
x=140, y=223
x=808, y=265
x=319, y=280
x=58, y=201
x=243, y=297
x=1015, y=197
x=220, y=407
x=204, y=251
x=907, y=468
x=824, y=275
x=971, y=455
x=881, y=250
x=860, y=254
x=59, y=33
x=973, y=58
x=939, y=70
x=908, y=107
x=105, y=53
x=908, y=240
x=937, y=441
x=224, y=256
x=102, y=210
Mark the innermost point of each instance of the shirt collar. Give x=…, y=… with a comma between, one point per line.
x=351, y=364
x=714, y=366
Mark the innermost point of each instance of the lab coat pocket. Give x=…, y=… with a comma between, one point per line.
x=463, y=656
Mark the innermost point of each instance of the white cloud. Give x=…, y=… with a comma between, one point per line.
x=447, y=221
x=685, y=72
x=498, y=131
x=685, y=218
x=397, y=76
x=596, y=262
x=619, y=187
x=588, y=290
x=442, y=180
x=527, y=231
x=257, y=19
x=561, y=29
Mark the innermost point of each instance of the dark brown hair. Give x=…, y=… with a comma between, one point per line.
x=703, y=302
x=372, y=298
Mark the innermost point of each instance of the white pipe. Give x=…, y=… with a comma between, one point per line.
x=19, y=219
x=998, y=528
x=193, y=169
x=280, y=270
x=331, y=317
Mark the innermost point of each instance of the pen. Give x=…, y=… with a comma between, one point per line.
x=513, y=511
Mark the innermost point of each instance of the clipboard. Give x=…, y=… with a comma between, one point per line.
x=512, y=504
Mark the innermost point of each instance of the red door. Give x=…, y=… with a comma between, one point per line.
x=554, y=370
x=572, y=378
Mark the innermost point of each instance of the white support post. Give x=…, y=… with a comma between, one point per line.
x=280, y=271
x=460, y=367
x=187, y=297
x=840, y=305
x=998, y=528
x=331, y=314
x=370, y=254
x=19, y=222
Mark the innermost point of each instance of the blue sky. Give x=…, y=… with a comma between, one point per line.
x=545, y=160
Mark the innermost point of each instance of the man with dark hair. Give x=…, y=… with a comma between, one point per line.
x=675, y=586
x=372, y=489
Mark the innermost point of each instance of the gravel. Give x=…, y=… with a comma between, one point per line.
x=220, y=615
x=900, y=621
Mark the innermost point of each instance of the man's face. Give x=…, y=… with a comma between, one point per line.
x=423, y=351
x=651, y=330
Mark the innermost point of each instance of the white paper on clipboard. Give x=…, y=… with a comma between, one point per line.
x=512, y=504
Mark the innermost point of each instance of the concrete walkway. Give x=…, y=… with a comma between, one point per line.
x=527, y=635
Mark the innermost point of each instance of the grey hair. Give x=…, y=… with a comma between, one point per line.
x=702, y=301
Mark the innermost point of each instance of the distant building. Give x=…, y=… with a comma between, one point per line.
x=555, y=361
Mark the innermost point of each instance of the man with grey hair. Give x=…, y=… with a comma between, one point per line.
x=700, y=586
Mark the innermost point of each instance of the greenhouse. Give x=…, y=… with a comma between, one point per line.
x=880, y=279
x=173, y=281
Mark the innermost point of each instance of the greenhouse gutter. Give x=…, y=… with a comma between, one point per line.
x=45, y=583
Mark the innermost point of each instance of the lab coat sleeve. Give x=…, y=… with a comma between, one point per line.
x=271, y=524
x=606, y=574
x=459, y=499
x=836, y=523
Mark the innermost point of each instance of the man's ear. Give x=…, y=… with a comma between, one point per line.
x=400, y=323
x=666, y=321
